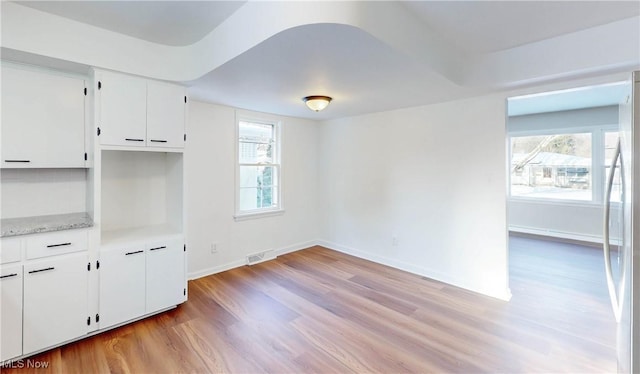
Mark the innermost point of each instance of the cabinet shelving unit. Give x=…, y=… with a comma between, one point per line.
x=139, y=144
x=141, y=195
x=46, y=224
x=129, y=195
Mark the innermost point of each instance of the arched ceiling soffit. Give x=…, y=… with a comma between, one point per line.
x=29, y=30
x=567, y=56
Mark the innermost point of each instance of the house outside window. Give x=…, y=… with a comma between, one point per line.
x=555, y=166
x=258, y=172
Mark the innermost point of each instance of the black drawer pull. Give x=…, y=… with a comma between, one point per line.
x=41, y=270
x=58, y=245
x=17, y=160
x=134, y=140
x=9, y=276
x=132, y=253
x=156, y=248
x=158, y=141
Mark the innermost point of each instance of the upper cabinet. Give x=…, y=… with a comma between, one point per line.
x=139, y=112
x=123, y=110
x=43, y=119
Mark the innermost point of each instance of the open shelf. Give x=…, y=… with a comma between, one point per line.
x=138, y=234
x=142, y=195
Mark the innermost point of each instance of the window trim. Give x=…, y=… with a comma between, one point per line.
x=242, y=215
x=597, y=160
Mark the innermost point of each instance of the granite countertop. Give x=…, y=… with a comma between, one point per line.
x=33, y=225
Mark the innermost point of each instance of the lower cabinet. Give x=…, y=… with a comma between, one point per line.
x=140, y=279
x=122, y=290
x=55, y=301
x=11, y=312
x=46, y=301
x=165, y=278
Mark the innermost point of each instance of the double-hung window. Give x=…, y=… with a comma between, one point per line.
x=258, y=173
x=564, y=165
x=552, y=166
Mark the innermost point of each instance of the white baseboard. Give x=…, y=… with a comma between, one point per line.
x=401, y=265
x=216, y=269
x=557, y=234
x=415, y=269
x=241, y=262
x=296, y=247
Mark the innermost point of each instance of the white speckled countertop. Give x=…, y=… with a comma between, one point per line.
x=33, y=225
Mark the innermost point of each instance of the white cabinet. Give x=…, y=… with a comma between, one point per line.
x=10, y=250
x=55, y=301
x=165, y=278
x=165, y=115
x=56, y=243
x=138, y=279
x=10, y=311
x=139, y=112
x=123, y=116
x=122, y=284
x=42, y=119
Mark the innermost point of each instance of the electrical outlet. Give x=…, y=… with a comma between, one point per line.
x=394, y=241
x=214, y=248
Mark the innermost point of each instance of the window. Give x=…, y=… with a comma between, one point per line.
x=258, y=168
x=554, y=166
x=610, y=143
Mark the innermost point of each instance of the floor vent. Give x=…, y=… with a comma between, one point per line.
x=259, y=257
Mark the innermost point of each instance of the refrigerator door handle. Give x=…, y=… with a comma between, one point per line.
x=606, y=236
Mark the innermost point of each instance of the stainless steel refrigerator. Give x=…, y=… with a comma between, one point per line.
x=622, y=247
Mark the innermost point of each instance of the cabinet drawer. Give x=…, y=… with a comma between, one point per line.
x=57, y=243
x=10, y=250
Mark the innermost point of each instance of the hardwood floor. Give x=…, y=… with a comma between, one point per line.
x=322, y=311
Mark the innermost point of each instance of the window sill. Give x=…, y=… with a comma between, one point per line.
x=550, y=201
x=256, y=215
x=558, y=202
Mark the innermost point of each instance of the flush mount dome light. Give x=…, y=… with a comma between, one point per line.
x=317, y=103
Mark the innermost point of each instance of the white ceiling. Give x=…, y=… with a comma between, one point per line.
x=175, y=23
x=490, y=26
x=361, y=70
x=575, y=98
x=358, y=71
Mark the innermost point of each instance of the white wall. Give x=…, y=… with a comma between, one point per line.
x=561, y=220
x=209, y=194
x=434, y=177
x=39, y=192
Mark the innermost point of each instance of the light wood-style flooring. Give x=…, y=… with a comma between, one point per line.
x=321, y=311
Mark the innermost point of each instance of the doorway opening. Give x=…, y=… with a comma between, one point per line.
x=560, y=148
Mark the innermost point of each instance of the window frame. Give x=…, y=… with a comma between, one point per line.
x=241, y=215
x=597, y=161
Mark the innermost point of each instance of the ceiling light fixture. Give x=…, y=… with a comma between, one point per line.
x=317, y=103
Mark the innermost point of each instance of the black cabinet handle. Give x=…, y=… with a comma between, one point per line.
x=134, y=140
x=23, y=161
x=156, y=248
x=58, y=245
x=41, y=270
x=9, y=276
x=132, y=253
x=158, y=141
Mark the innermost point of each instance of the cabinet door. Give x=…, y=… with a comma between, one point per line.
x=55, y=301
x=165, y=274
x=122, y=285
x=10, y=312
x=42, y=119
x=165, y=115
x=123, y=110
